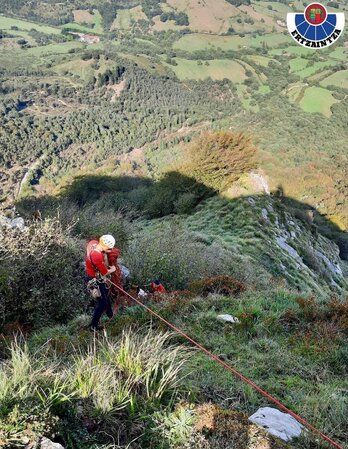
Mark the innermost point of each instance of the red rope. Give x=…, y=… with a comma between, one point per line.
x=234, y=371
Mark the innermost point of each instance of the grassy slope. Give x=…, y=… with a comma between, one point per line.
x=284, y=347
x=195, y=42
x=317, y=99
x=7, y=22
x=339, y=79
x=217, y=69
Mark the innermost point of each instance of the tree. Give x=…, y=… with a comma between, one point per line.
x=217, y=159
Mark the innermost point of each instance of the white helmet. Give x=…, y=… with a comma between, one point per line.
x=107, y=241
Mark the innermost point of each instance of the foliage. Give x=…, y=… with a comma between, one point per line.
x=175, y=256
x=218, y=159
x=175, y=428
x=100, y=394
x=223, y=285
x=180, y=18
x=41, y=279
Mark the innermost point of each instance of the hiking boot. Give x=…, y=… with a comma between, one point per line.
x=95, y=329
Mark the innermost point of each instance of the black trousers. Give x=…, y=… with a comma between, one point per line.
x=103, y=304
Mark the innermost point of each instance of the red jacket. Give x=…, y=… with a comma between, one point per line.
x=95, y=259
x=158, y=288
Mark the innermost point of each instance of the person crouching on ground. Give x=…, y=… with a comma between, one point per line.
x=157, y=287
x=96, y=268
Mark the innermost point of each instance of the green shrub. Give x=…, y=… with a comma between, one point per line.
x=41, y=277
x=223, y=285
x=175, y=256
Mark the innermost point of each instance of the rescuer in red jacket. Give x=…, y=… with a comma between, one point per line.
x=157, y=287
x=96, y=267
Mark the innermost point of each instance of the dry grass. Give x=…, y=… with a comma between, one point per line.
x=83, y=16
x=209, y=16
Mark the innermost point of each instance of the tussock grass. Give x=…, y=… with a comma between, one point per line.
x=109, y=384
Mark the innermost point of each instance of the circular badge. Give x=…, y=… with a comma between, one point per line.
x=315, y=14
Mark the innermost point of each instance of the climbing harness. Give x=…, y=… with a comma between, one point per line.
x=93, y=288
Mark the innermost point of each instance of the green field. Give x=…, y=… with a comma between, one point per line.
x=339, y=53
x=34, y=56
x=277, y=7
x=317, y=99
x=339, y=79
x=6, y=23
x=298, y=64
x=125, y=17
x=53, y=49
x=264, y=89
x=197, y=42
x=96, y=22
x=246, y=99
x=82, y=68
x=259, y=60
x=217, y=69
x=82, y=29
x=316, y=67
x=293, y=49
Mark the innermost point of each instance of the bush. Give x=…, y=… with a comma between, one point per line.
x=185, y=203
x=175, y=256
x=41, y=277
x=223, y=285
x=217, y=159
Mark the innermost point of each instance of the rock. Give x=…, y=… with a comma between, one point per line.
x=251, y=201
x=333, y=267
x=18, y=223
x=290, y=250
x=265, y=214
x=260, y=182
x=4, y=221
x=228, y=319
x=48, y=444
x=279, y=424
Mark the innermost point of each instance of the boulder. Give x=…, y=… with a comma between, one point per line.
x=279, y=424
x=48, y=444
x=4, y=221
x=228, y=319
x=18, y=223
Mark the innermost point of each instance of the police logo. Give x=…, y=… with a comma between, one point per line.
x=315, y=28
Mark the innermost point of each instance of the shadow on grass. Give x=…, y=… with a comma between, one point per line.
x=173, y=194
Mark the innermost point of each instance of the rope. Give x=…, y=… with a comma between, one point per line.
x=232, y=370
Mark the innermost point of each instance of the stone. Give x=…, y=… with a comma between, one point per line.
x=264, y=214
x=18, y=223
x=4, y=221
x=251, y=201
x=48, y=444
x=228, y=319
x=279, y=424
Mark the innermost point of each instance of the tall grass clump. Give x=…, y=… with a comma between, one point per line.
x=102, y=394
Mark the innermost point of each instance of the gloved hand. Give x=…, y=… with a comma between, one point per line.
x=112, y=270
